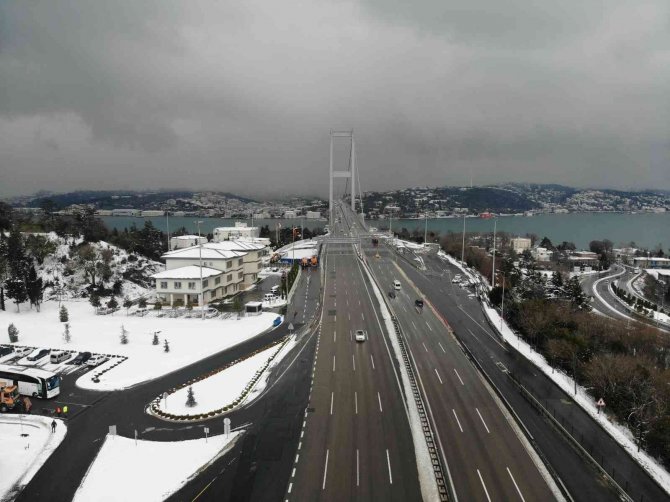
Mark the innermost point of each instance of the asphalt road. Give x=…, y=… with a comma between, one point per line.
x=93, y=412
x=356, y=444
x=499, y=360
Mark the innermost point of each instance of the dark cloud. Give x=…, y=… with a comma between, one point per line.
x=240, y=95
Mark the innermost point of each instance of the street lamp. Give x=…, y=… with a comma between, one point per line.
x=202, y=294
x=493, y=269
x=463, y=245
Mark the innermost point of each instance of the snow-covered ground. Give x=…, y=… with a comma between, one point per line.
x=189, y=339
x=147, y=470
x=619, y=432
x=27, y=442
x=221, y=389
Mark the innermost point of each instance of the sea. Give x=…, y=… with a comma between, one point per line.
x=646, y=230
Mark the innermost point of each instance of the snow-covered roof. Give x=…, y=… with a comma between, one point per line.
x=235, y=245
x=187, y=237
x=207, y=253
x=188, y=272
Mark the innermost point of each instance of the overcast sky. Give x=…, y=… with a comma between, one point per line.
x=241, y=95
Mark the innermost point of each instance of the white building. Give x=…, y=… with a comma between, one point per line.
x=181, y=286
x=290, y=214
x=313, y=215
x=125, y=212
x=255, y=254
x=153, y=212
x=520, y=244
x=186, y=241
x=239, y=230
x=541, y=254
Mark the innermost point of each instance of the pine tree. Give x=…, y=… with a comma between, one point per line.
x=155, y=340
x=16, y=290
x=35, y=288
x=112, y=303
x=94, y=300
x=13, y=333
x=142, y=302
x=166, y=346
x=63, y=314
x=124, y=335
x=190, y=399
x=66, y=333
x=127, y=303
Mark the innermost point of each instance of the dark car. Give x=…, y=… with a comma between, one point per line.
x=81, y=358
x=391, y=294
x=4, y=350
x=419, y=303
x=38, y=355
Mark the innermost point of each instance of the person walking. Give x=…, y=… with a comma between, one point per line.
x=53, y=426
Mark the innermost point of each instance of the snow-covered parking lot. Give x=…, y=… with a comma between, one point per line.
x=189, y=340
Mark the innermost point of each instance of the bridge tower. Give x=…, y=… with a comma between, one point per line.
x=350, y=173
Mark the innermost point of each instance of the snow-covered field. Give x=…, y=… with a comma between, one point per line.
x=221, y=389
x=24, y=455
x=620, y=433
x=147, y=470
x=189, y=339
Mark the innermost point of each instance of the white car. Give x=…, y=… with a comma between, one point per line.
x=96, y=360
x=22, y=351
x=360, y=335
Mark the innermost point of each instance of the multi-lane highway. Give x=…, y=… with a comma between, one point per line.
x=356, y=442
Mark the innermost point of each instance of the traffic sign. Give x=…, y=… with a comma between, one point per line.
x=600, y=402
x=290, y=326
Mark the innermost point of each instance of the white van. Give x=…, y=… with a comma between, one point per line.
x=396, y=284
x=269, y=297
x=274, y=289
x=59, y=356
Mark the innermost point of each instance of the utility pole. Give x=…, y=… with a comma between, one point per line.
x=493, y=269
x=425, y=229
x=202, y=294
x=463, y=246
x=502, y=308
x=167, y=228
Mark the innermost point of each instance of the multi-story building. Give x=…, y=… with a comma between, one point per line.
x=520, y=244
x=240, y=230
x=186, y=241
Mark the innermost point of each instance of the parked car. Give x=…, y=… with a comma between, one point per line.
x=97, y=360
x=274, y=289
x=418, y=303
x=361, y=335
x=276, y=322
x=59, y=356
x=275, y=269
x=36, y=356
x=6, y=349
x=81, y=358
x=23, y=351
x=391, y=295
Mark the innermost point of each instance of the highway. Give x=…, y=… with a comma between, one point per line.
x=356, y=442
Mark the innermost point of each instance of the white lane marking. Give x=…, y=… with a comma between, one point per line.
x=325, y=472
x=424, y=346
x=299, y=445
x=429, y=326
x=356, y=402
x=442, y=347
x=459, y=377
x=414, y=325
x=482, y=419
x=482, y=328
x=334, y=336
x=332, y=396
x=293, y=476
x=372, y=359
x=515, y=485
x=379, y=398
x=333, y=363
x=347, y=299
x=353, y=359
x=457, y=420
x=357, y=469
x=290, y=485
x=438, y=376
x=483, y=485
x=362, y=316
x=297, y=457
x=349, y=316
x=388, y=461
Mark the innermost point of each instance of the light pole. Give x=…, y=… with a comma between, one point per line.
x=502, y=307
x=425, y=229
x=167, y=228
x=463, y=245
x=202, y=294
x=493, y=267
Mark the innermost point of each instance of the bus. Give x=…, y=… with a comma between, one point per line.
x=33, y=382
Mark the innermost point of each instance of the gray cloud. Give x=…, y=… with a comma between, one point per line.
x=240, y=95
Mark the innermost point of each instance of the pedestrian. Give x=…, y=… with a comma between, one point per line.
x=65, y=411
x=53, y=426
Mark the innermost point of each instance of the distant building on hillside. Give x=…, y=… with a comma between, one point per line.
x=651, y=262
x=240, y=230
x=152, y=212
x=290, y=214
x=520, y=244
x=541, y=254
x=313, y=215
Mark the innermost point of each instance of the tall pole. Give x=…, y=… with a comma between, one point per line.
x=167, y=227
x=463, y=245
x=330, y=200
x=353, y=174
x=502, y=308
x=202, y=294
x=493, y=269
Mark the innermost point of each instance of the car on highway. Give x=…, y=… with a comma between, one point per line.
x=391, y=295
x=36, y=356
x=81, y=358
x=6, y=349
x=361, y=335
x=396, y=284
x=418, y=303
x=96, y=360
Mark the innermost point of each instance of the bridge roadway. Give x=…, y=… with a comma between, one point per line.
x=357, y=443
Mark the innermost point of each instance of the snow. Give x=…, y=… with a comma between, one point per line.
x=190, y=339
x=188, y=272
x=619, y=432
x=152, y=470
x=220, y=390
x=27, y=453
